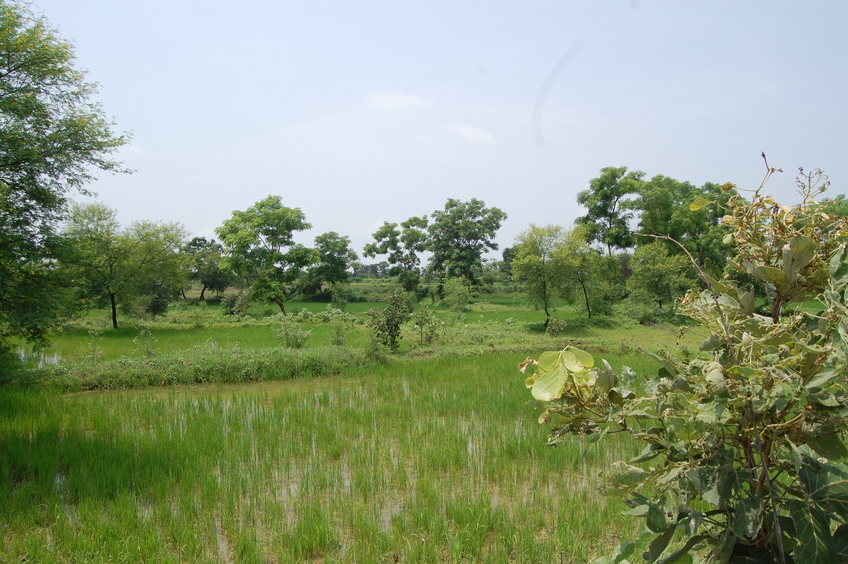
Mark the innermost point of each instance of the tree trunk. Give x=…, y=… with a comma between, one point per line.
x=202, y=292
x=280, y=303
x=586, y=299
x=114, y=304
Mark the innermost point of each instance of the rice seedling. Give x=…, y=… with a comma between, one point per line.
x=440, y=461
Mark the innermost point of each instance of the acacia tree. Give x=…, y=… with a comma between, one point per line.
x=460, y=234
x=402, y=245
x=607, y=218
x=141, y=263
x=259, y=243
x=53, y=139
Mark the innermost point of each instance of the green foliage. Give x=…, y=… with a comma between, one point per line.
x=426, y=325
x=663, y=205
x=743, y=446
x=386, y=324
x=260, y=244
x=607, y=218
x=457, y=294
x=460, y=234
x=555, y=326
x=335, y=258
x=54, y=139
x=238, y=303
x=205, y=259
x=402, y=247
x=137, y=266
x=658, y=276
x=289, y=332
x=540, y=264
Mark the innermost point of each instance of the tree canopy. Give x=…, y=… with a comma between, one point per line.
x=460, y=234
x=260, y=244
x=54, y=138
x=607, y=218
x=140, y=264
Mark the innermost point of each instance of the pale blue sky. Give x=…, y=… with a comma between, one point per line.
x=359, y=112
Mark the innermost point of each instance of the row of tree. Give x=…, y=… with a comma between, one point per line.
x=654, y=233
x=57, y=258
x=147, y=265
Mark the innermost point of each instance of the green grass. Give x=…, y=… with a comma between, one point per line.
x=412, y=462
x=321, y=454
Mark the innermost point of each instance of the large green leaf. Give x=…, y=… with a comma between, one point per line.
x=813, y=530
x=547, y=360
x=770, y=274
x=659, y=544
x=699, y=203
x=583, y=357
x=748, y=517
x=549, y=386
x=803, y=251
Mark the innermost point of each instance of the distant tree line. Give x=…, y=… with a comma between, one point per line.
x=58, y=258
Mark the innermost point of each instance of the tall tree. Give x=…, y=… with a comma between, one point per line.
x=539, y=265
x=460, y=234
x=260, y=243
x=54, y=138
x=335, y=260
x=403, y=245
x=607, y=219
x=664, y=209
x=120, y=266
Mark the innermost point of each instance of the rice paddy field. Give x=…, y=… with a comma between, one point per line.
x=422, y=459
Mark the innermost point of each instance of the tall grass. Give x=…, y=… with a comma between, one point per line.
x=440, y=461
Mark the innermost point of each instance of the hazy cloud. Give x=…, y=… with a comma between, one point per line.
x=471, y=134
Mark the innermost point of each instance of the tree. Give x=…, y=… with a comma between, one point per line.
x=53, y=138
x=664, y=209
x=460, y=234
x=335, y=260
x=539, y=265
x=259, y=243
x=657, y=275
x=403, y=246
x=120, y=266
x=205, y=256
x=606, y=219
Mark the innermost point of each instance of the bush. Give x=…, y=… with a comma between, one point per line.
x=386, y=324
x=290, y=333
x=237, y=304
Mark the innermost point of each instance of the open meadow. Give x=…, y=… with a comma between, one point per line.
x=430, y=455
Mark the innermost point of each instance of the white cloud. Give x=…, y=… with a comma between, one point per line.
x=472, y=134
x=387, y=101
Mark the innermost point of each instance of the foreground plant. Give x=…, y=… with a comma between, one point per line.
x=743, y=446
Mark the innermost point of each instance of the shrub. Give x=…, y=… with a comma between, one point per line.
x=290, y=333
x=386, y=324
x=237, y=304
x=742, y=445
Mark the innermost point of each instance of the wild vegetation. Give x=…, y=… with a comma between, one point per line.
x=383, y=421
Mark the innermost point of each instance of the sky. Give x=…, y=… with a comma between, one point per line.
x=359, y=112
